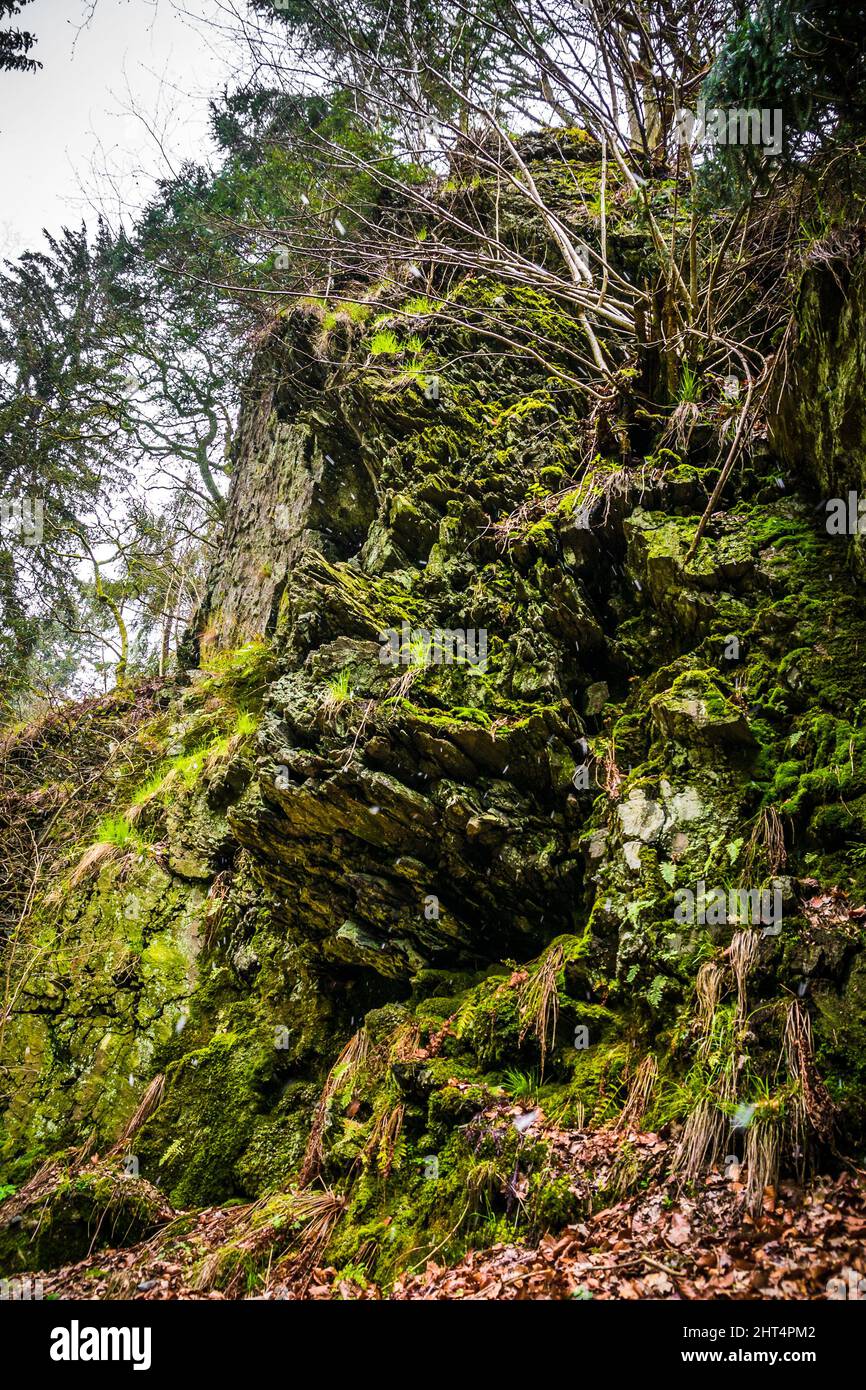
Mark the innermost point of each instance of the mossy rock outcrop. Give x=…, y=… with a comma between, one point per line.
x=68, y=1210
x=364, y=915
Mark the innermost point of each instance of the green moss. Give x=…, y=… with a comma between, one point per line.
x=73, y=1213
x=282, y=885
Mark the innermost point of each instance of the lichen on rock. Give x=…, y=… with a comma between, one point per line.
x=365, y=916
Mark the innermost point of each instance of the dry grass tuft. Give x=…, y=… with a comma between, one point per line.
x=681, y=425
x=701, y=1140
x=320, y=1212
x=762, y=1154
x=742, y=954
x=383, y=1145
x=612, y=777
x=539, y=999
x=343, y=1072
x=150, y=1101
x=91, y=862
x=303, y=1219
x=814, y=1106
x=767, y=840
x=639, y=1094
x=708, y=988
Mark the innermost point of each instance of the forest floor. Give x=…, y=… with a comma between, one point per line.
x=663, y=1242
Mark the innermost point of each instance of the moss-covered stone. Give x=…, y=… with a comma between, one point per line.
x=348, y=917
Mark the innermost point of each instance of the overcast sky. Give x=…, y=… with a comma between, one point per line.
x=69, y=140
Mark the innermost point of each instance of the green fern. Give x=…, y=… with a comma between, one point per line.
x=522, y=1085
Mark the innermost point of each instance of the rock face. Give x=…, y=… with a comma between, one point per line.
x=298, y=483
x=820, y=428
x=464, y=733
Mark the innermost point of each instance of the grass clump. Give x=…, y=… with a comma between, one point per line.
x=116, y=830
x=384, y=344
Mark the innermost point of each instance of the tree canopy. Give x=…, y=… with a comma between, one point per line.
x=15, y=44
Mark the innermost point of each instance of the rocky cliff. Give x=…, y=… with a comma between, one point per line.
x=451, y=838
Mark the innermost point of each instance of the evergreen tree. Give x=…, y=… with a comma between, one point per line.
x=63, y=321
x=15, y=44
x=805, y=59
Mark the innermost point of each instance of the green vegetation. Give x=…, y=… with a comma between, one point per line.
x=374, y=959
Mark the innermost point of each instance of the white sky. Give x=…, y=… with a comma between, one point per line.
x=69, y=141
